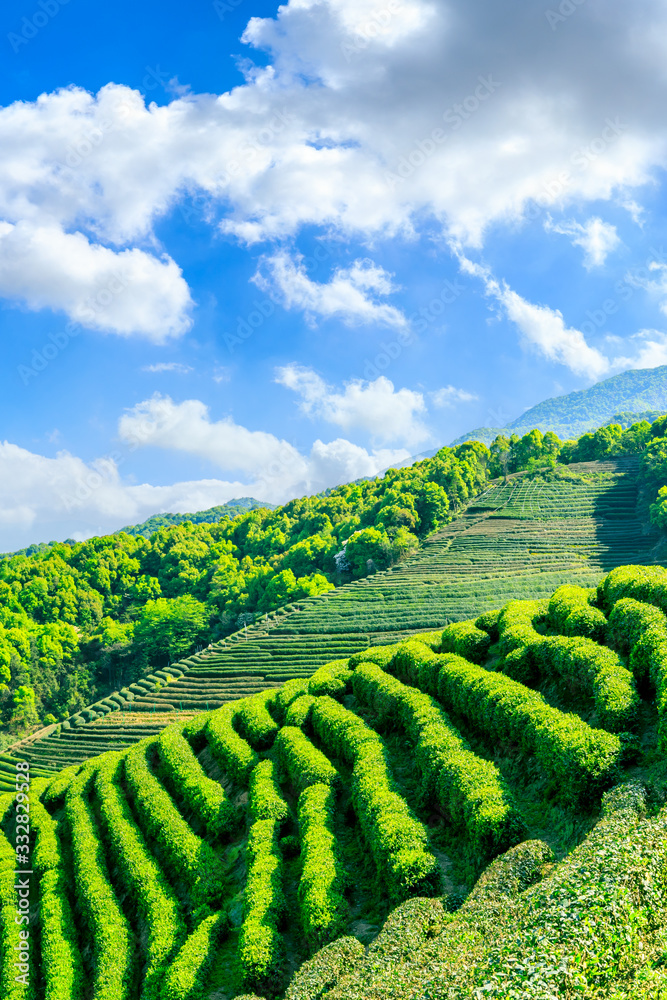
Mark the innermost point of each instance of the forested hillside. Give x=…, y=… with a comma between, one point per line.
x=74, y=616
x=211, y=516
x=79, y=619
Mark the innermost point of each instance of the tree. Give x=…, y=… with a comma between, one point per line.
x=432, y=505
x=499, y=457
x=370, y=545
x=171, y=627
x=24, y=709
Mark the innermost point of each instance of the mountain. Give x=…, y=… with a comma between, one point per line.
x=211, y=516
x=632, y=395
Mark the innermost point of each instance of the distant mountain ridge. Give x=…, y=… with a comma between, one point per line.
x=631, y=395
x=211, y=516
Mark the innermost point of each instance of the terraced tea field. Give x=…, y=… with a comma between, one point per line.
x=259, y=847
x=517, y=540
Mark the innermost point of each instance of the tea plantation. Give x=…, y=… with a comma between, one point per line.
x=475, y=811
x=517, y=540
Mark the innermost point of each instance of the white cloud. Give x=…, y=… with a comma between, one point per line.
x=543, y=329
x=64, y=497
x=656, y=286
x=375, y=407
x=651, y=351
x=367, y=120
x=351, y=293
x=275, y=469
x=597, y=238
x=168, y=366
x=130, y=292
x=449, y=396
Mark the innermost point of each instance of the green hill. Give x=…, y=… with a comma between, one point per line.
x=211, y=516
x=320, y=841
x=634, y=395
x=513, y=541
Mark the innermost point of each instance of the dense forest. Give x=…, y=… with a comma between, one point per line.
x=79, y=619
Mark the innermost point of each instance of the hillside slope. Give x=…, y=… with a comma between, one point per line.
x=261, y=847
x=516, y=541
x=639, y=391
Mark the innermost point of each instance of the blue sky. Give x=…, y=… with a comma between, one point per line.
x=251, y=250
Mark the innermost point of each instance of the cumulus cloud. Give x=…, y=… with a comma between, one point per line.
x=130, y=292
x=275, y=469
x=364, y=120
x=597, y=238
x=64, y=497
x=374, y=407
x=351, y=293
x=651, y=351
x=449, y=395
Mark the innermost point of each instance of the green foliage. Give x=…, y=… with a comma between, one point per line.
x=206, y=798
x=644, y=583
x=299, y=711
x=54, y=793
x=304, y=763
x=466, y=639
x=332, y=679
x=106, y=925
x=323, y=908
x=570, y=613
x=186, y=976
x=139, y=874
x=254, y=720
x=261, y=948
x=288, y=693
x=583, y=761
x=266, y=801
x=397, y=840
x=16, y=983
x=186, y=856
x=369, y=549
x=489, y=623
x=324, y=970
x=234, y=754
x=469, y=790
x=170, y=627
x=596, y=670
x=62, y=967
